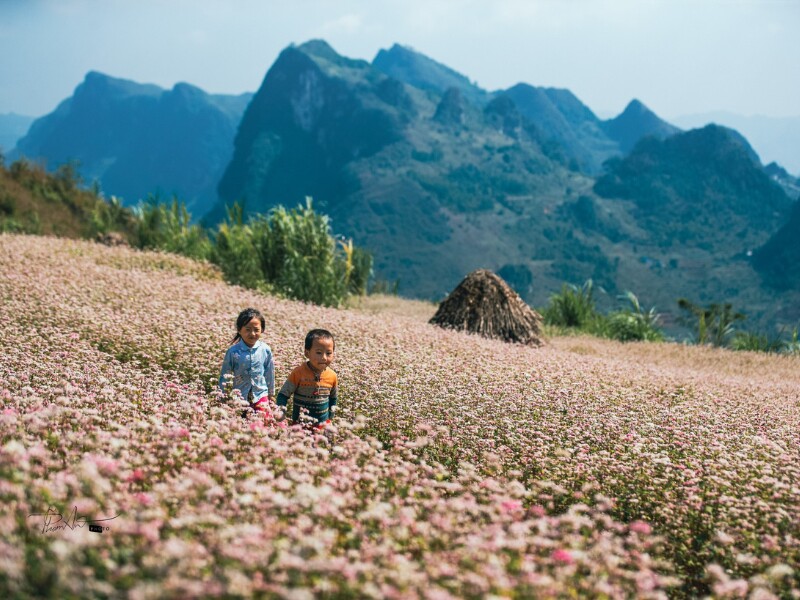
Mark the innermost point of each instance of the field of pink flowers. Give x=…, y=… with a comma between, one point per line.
x=461, y=467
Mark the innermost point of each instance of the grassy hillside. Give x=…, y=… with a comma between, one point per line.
x=461, y=466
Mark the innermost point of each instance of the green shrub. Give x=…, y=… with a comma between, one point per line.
x=361, y=271
x=28, y=222
x=235, y=251
x=756, y=341
x=633, y=323
x=110, y=215
x=291, y=252
x=574, y=307
x=299, y=256
x=627, y=326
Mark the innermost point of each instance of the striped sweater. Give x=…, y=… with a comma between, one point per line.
x=313, y=392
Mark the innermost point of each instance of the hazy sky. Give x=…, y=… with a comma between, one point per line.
x=677, y=56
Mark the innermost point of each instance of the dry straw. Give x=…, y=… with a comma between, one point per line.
x=485, y=304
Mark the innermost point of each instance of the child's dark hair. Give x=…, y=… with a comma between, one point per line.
x=318, y=334
x=247, y=315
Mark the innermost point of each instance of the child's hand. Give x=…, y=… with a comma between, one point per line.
x=279, y=414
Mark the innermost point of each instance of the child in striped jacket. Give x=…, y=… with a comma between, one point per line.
x=313, y=384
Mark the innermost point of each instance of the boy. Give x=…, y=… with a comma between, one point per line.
x=314, y=384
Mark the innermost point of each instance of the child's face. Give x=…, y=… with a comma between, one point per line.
x=251, y=332
x=321, y=354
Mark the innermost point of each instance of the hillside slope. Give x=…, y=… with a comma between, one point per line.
x=584, y=468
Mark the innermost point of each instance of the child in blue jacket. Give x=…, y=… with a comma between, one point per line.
x=249, y=363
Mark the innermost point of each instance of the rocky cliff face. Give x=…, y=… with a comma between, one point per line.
x=304, y=124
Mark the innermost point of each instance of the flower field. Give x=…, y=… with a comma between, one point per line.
x=461, y=467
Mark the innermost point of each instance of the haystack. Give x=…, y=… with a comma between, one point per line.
x=485, y=304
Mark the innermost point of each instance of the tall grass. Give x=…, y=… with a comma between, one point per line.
x=169, y=227
x=633, y=323
x=757, y=341
x=712, y=324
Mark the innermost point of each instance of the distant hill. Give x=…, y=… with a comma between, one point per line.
x=137, y=139
x=701, y=187
x=634, y=123
x=777, y=139
x=12, y=128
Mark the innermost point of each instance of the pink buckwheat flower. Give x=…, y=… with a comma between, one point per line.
x=562, y=556
x=640, y=527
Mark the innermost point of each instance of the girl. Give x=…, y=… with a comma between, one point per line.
x=249, y=362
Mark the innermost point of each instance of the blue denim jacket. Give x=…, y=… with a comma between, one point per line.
x=253, y=370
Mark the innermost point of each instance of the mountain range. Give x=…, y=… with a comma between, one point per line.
x=437, y=177
x=557, y=113
x=137, y=139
